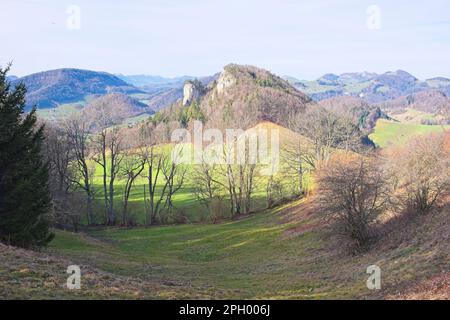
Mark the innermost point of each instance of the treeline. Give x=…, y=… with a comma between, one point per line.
x=76, y=151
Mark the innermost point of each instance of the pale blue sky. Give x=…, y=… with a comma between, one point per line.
x=304, y=39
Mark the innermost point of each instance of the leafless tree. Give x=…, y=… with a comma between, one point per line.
x=154, y=162
x=246, y=185
x=422, y=171
x=297, y=159
x=130, y=168
x=239, y=175
x=65, y=204
x=174, y=177
x=101, y=159
x=81, y=169
x=164, y=175
x=208, y=187
x=109, y=153
x=353, y=191
x=326, y=131
x=58, y=155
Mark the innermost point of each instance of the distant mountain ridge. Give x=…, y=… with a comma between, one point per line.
x=50, y=88
x=142, y=80
x=238, y=86
x=372, y=87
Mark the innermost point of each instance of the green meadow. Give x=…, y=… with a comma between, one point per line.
x=389, y=133
x=254, y=257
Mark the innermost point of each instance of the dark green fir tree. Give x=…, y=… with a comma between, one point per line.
x=24, y=192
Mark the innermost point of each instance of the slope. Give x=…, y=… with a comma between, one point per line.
x=288, y=252
x=50, y=88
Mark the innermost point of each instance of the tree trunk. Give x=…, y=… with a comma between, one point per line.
x=90, y=214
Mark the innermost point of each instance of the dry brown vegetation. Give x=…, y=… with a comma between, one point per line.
x=353, y=191
x=422, y=171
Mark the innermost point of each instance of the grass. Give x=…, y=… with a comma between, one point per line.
x=249, y=258
x=387, y=133
x=60, y=112
x=282, y=253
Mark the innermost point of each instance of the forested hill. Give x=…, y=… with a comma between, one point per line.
x=49, y=88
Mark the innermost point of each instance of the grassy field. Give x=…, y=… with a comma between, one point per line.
x=288, y=252
x=389, y=133
x=60, y=112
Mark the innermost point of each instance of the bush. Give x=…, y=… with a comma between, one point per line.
x=353, y=192
x=422, y=170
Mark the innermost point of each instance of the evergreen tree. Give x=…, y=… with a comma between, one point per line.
x=24, y=192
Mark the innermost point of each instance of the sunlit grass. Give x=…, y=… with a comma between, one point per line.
x=387, y=133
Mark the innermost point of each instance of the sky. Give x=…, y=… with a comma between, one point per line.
x=303, y=39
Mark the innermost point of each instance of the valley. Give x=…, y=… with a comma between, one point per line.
x=142, y=226
x=284, y=253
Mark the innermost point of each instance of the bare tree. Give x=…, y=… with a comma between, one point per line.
x=422, y=170
x=246, y=185
x=65, y=204
x=81, y=170
x=164, y=176
x=208, y=188
x=174, y=175
x=297, y=159
x=58, y=155
x=326, y=131
x=131, y=167
x=103, y=118
x=101, y=159
x=116, y=157
x=228, y=174
x=353, y=191
x=240, y=177
x=109, y=154
x=154, y=165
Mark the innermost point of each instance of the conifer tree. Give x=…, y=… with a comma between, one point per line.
x=24, y=191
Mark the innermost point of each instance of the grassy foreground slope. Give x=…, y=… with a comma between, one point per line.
x=387, y=133
x=286, y=253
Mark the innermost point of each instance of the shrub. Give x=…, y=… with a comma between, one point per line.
x=353, y=192
x=422, y=170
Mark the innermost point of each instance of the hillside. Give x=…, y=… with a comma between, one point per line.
x=364, y=114
x=287, y=252
x=429, y=106
x=118, y=105
x=372, y=87
x=50, y=88
x=246, y=95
